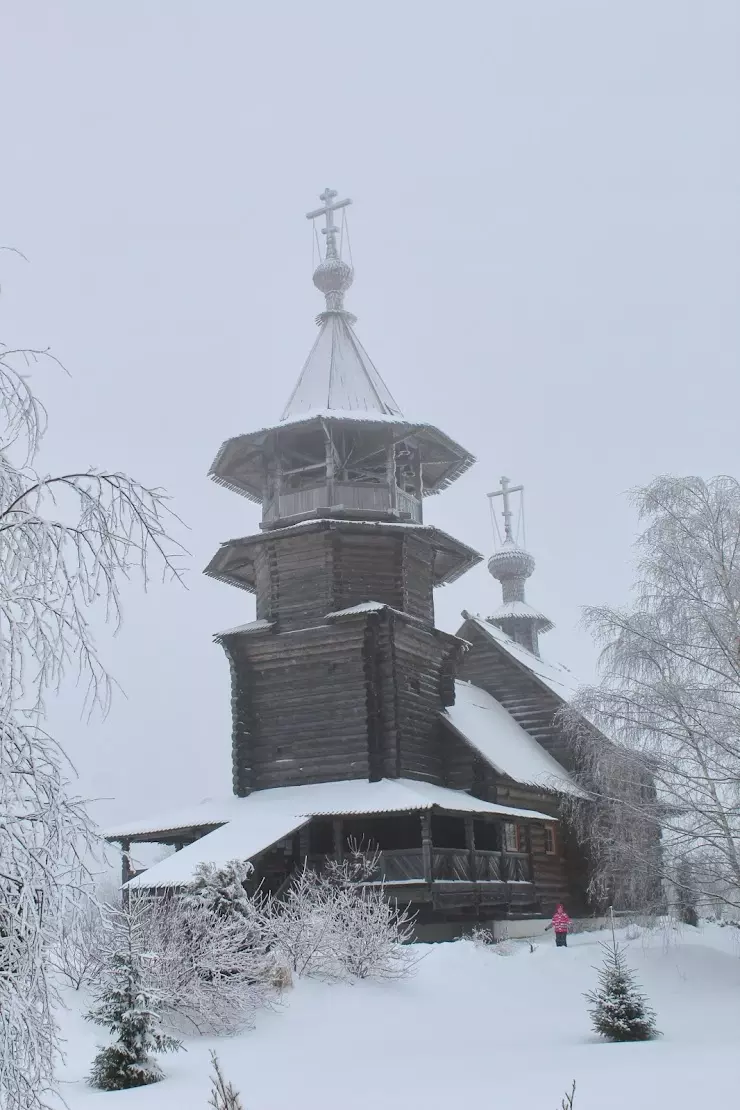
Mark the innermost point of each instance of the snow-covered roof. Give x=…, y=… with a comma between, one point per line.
x=339, y=375
x=557, y=678
x=196, y=815
x=518, y=610
x=492, y=731
x=245, y=629
x=253, y=824
x=354, y=610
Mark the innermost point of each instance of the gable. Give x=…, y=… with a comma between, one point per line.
x=523, y=684
x=488, y=727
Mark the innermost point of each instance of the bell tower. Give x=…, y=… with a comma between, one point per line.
x=343, y=673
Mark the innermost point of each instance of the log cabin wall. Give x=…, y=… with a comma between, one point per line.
x=419, y=656
x=301, y=575
x=486, y=665
x=299, y=703
x=350, y=698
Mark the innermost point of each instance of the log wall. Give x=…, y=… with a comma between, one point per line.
x=300, y=710
x=302, y=575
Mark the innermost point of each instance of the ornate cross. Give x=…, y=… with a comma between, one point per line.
x=506, y=490
x=330, y=207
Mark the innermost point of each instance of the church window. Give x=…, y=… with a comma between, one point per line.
x=415, y=685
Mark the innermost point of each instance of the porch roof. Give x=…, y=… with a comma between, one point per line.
x=253, y=824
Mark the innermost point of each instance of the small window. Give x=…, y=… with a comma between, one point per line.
x=511, y=837
x=415, y=685
x=549, y=840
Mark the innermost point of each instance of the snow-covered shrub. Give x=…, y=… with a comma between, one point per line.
x=482, y=936
x=341, y=924
x=618, y=1010
x=222, y=889
x=210, y=970
x=223, y=1095
x=125, y=1006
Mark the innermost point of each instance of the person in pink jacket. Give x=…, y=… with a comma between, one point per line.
x=561, y=924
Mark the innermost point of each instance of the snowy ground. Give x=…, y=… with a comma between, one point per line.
x=470, y=1027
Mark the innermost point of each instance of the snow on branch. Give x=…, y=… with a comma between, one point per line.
x=67, y=542
x=669, y=698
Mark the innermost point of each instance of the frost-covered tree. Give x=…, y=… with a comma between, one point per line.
x=125, y=1006
x=669, y=698
x=79, y=952
x=67, y=541
x=618, y=1009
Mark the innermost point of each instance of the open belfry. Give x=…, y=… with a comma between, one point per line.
x=355, y=719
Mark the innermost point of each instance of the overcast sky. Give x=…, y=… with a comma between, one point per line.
x=546, y=238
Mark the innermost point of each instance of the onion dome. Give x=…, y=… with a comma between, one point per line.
x=510, y=562
x=511, y=565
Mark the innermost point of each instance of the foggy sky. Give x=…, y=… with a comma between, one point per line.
x=546, y=237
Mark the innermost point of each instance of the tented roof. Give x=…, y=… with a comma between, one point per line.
x=488, y=727
x=339, y=375
x=253, y=824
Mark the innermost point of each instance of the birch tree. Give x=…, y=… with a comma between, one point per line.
x=67, y=542
x=670, y=699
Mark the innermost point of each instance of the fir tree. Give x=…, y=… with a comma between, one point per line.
x=125, y=1008
x=618, y=1010
x=222, y=889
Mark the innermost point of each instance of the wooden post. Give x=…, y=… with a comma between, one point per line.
x=338, y=831
x=426, y=846
x=126, y=871
x=470, y=844
x=530, y=855
x=329, y=465
x=390, y=469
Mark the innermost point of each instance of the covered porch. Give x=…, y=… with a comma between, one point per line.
x=437, y=848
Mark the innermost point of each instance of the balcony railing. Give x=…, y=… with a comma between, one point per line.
x=349, y=495
x=454, y=865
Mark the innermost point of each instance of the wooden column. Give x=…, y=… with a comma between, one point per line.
x=330, y=463
x=470, y=844
x=419, y=483
x=426, y=846
x=527, y=829
x=390, y=469
x=126, y=872
x=338, y=831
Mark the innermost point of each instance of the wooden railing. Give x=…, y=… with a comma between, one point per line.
x=374, y=497
x=454, y=865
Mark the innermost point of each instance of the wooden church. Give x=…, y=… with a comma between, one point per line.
x=354, y=718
